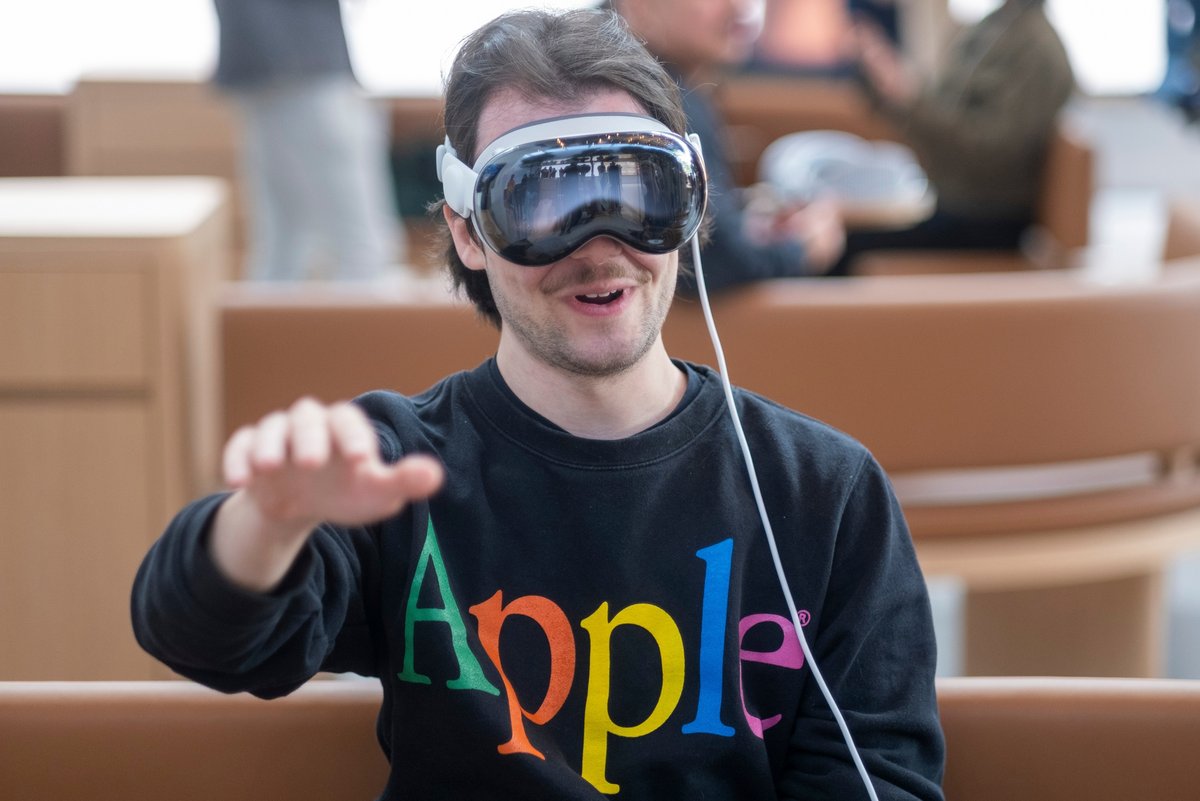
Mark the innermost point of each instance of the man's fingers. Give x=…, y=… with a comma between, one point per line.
x=269, y=448
x=310, y=434
x=352, y=433
x=297, y=460
x=413, y=478
x=236, y=458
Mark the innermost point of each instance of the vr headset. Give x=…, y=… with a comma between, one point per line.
x=541, y=191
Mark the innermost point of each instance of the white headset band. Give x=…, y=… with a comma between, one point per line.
x=574, y=125
x=458, y=180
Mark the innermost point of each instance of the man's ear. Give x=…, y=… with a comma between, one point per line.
x=469, y=250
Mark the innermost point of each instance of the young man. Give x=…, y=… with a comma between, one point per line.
x=554, y=563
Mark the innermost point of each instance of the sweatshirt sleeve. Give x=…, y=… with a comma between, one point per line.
x=187, y=615
x=875, y=648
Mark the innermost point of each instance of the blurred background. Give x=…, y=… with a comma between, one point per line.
x=122, y=90
x=398, y=49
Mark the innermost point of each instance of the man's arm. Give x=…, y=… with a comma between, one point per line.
x=875, y=647
x=250, y=590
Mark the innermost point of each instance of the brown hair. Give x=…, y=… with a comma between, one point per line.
x=545, y=55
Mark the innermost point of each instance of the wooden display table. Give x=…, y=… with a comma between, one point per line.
x=106, y=376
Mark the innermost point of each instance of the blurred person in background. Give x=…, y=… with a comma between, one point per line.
x=884, y=13
x=806, y=36
x=314, y=157
x=979, y=129
x=1181, y=82
x=694, y=39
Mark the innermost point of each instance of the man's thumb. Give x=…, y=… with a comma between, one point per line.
x=416, y=477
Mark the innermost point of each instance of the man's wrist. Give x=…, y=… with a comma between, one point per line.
x=251, y=550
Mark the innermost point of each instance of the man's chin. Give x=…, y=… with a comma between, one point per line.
x=609, y=367
x=603, y=361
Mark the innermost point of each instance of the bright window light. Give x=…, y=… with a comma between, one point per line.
x=403, y=48
x=397, y=46
x=45, y=45
x=1116, y=46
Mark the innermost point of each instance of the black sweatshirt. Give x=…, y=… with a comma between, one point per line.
x=576, y=619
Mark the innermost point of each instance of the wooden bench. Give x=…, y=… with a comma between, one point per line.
x=1028, y=739
x=982, y=382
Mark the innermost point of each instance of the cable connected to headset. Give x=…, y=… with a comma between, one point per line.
x=464, y=188
x=770, y=534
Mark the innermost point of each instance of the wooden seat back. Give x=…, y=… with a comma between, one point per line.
x=968, y=372
x=1027, y=738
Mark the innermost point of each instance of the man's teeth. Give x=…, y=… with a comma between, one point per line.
x=601, y=297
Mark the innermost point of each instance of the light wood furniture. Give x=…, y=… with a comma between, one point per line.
x=1046, y=739
x=1182, y=238
x=1027, y=738
x=125, y=125
x=106, y=358
x=346, y=337
x=135, y=741
x=1043, y=433
x=1002, y=405
x=141, y=125
x=31, y=135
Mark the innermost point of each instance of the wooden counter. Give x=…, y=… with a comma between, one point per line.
x=106, y=376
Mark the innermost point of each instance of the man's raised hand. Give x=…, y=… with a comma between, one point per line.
x=297, y=468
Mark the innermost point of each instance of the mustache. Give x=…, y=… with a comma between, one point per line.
x=566, y=277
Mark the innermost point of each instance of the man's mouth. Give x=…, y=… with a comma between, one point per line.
x=602, y=298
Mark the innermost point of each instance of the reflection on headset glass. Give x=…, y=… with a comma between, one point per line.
x=541, y=191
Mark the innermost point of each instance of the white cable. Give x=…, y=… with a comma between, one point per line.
x=762, y=513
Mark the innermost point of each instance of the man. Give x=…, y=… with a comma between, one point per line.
x=980, y=129
x=695, y=39
x=553, y=562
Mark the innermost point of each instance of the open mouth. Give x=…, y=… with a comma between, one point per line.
x=601, y=299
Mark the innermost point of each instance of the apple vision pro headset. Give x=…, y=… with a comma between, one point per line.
x=543, y=190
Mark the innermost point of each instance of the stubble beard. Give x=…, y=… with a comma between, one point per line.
x=548, y=343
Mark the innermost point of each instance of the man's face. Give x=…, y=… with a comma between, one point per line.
x=596, y=312
x=696, y=33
